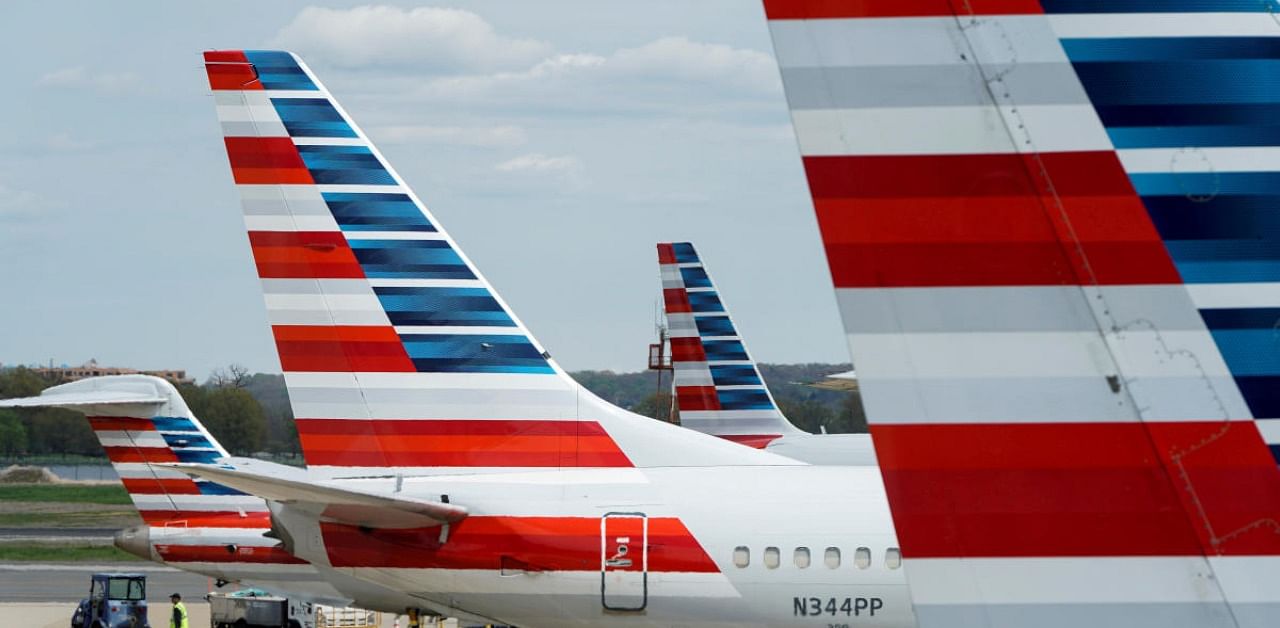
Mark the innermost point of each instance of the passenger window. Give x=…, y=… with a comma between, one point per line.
x=832, y=557
x=862, y=557
x=892, y=558
x=802, y=557
x=741, y=556
x=772, y=557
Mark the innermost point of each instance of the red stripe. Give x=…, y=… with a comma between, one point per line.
x=691, y=398
x=220, y=554
x=962, y=220
x=341, y=349
x=232, y=76
x=676, y=300
x=687, y=350
x=266, y=160
x=458, y=443
x=205, y=519
x=758, y=441
x=120, y=424
x=817, y=9
x=304, y=255
x=1079, y=489
x=538, y=543
x=666, y=254
x=225, y=56
x=160, y=486
x=140, y=454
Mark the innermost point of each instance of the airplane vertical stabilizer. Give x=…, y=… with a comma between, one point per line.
x=718, y=386
x=398, y=355
x=1051, y=230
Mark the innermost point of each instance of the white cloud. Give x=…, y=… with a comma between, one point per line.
x=423, y=38
x=681, y=59
x=79, y=77
x=452, y=135
x=64, y=142
x=19, y=204
x=537, y=162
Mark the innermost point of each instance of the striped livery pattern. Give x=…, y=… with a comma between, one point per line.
x=396, y=352
x=1050, y=226
x=718, y=386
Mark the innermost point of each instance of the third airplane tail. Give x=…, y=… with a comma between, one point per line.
x=718, y=386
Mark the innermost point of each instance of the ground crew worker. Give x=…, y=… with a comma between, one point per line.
x=179, y=617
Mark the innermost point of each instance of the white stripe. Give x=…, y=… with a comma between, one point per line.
x=693, y=377
x=459, y=330
x=1101, y=25
x=247, y=503
x=1234, y=295
x=149, y=439
x=329, y=141
x=1091, y=580
x=328, y=301
x=731, y=362
x=394, y=235
x=947, y=130
x=363, y=189
x=729, y=414
x=147, y=471
x=426, y=381
x=1270, y=430
x=1230, y=159
x=273, y=192
x=477, y=582
x=909, y=41
x=312, y=94
x=427, y=283
x=290, y=223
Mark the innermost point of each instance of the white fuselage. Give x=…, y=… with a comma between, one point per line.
x=544, y=548
x=826, y=449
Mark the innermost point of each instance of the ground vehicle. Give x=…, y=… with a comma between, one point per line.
x=254, y=607
x=116, y=600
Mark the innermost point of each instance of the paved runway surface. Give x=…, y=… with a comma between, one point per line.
x=52, y=582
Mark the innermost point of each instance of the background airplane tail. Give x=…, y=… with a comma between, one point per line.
x=718, y=386
x=142, y=421
x=397, y=353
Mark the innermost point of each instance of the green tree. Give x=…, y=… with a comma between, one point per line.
x=656, y=406
x=21, y=382
x=234, y=417
x=13, y=434
x=57, y=431
x=809, y=415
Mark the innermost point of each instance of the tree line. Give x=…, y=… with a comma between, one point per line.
x=250, y=413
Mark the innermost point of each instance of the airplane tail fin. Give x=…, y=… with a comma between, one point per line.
x=1049, y=225
x=718, y=386
x=142, y=422
x=397, y=353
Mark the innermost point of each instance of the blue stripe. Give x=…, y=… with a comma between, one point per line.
x=1181, y=81
x=191, y=455
x=1250, y=351
x=684, y=253
x=715, y=326
x=212, y=488
x=422, y=259
x=376, y=212
x=311, y=117
x=479, y=353
x=278, y=70
x=1228, y=272
x=1275, y=451
x=1169, y=48
x=749, y=399
x=705, y=302
x=718, y=350
x=1158, y=6
x=1261, y=393
x=1242, y=318
x=695, y=277
x=1222, y=218
x=1194, y=115
x=1183, y=136
x=186, y=440
x=344, y=165
x=1206, y=184
x=735, y=375
x=174, y=424
x=442, y=306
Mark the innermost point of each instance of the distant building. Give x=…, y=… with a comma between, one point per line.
x=93, y=369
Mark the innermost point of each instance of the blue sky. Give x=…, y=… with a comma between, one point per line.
x=557, y=141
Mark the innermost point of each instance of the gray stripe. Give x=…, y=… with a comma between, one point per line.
x=1043, y=399
x=408, y=403
x=278, y=207
x=245, y=128
x=1012, y=309
x=929, y=85
x=1136, y=615
x=314, y=286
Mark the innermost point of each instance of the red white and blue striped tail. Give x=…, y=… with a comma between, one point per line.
x=142, y=422
x=397, y=353
x=1052, y=227
x=718, y=386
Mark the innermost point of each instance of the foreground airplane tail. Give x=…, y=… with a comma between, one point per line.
x=1050, y=229
x=718, y=387
x=397, y=353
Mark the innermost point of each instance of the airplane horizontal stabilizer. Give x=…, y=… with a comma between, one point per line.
x=73, y=400
x=331, y=503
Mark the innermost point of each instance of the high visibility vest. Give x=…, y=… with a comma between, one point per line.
x=179, y=617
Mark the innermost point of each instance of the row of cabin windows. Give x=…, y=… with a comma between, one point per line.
x=830, y=557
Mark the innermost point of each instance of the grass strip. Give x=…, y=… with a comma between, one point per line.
x=66, y=493
x=38, y=552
